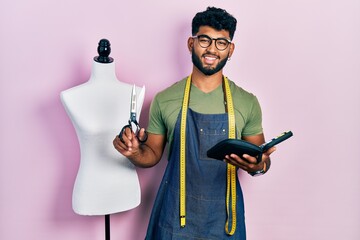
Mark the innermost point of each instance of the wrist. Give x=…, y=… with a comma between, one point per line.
x=259, y=172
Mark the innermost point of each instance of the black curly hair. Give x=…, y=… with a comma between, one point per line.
x=216, y=18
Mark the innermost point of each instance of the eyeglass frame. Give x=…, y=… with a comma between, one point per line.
x=212, y=39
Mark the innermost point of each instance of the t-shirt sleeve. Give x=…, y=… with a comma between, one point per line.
x=253, y=125
x=156, y=123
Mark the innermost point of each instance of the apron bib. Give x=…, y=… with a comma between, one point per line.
x=205, y=186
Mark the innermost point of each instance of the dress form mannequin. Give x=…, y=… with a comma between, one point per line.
x=106, y=182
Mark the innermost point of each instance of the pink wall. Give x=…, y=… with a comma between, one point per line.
x=301, y=58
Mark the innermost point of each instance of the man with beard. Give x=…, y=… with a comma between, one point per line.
x=200, y=197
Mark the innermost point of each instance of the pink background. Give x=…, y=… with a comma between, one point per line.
x=300, y=57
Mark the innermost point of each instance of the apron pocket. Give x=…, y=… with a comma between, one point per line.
x=209, y=136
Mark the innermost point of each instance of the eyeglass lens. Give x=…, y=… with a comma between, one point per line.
x=220, y=43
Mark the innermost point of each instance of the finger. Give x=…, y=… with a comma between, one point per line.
x=236, y=161
x=125, y=136
x=270, y=151
x=249, y=159
x=128, y=133
x=118, y=144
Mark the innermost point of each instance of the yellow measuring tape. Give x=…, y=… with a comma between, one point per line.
x=231, y=170
x=182, y=152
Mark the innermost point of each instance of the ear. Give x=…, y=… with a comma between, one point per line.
x=232, y=48
x=190, y=44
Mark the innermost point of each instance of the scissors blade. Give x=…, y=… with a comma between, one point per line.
x=133, y=104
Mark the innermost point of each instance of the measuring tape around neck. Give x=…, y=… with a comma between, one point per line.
x=231, y=170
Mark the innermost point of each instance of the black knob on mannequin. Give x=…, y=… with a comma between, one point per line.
x=104, y=52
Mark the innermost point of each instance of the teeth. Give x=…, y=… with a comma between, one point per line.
x=210, y=58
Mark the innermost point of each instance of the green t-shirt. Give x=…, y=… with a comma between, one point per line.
x=166, y=106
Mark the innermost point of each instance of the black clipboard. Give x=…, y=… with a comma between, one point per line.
x=240, y=147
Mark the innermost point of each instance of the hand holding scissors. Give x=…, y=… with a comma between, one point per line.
x=133, y=125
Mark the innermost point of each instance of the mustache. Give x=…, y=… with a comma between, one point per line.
x=210, y=54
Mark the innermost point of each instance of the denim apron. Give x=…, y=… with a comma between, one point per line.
x=205, y=186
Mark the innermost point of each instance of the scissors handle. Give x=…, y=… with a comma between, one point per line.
x=145, y=137
x=137, y=131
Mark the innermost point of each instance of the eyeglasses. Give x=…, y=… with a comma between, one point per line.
x=220, y=43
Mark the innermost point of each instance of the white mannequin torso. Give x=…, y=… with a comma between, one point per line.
x=106, y=182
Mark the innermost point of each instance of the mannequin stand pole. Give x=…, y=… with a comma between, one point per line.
x=107, y=227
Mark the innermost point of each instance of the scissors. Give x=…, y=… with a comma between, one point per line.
x=133, y=125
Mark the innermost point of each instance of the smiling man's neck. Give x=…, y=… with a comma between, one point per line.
x=206, y=83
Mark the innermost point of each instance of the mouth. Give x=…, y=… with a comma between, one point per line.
x=209, y=59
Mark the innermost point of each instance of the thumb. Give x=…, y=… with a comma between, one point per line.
x=142, y=137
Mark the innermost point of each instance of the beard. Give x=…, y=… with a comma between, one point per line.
x=208, y=71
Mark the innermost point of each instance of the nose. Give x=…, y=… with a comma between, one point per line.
x=212, y=46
